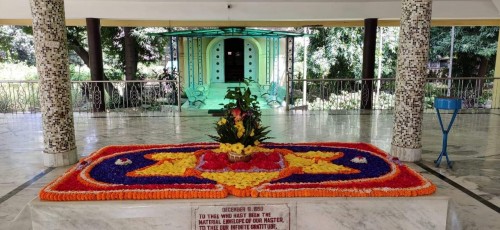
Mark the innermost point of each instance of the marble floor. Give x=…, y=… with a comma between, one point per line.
x=473, y=146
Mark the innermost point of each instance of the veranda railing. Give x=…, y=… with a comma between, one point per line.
x=162, y=95
x=346, y=94
x=93, y=96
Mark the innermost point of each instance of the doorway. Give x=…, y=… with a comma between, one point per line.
x=234, y=60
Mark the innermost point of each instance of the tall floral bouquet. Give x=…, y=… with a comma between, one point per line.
x=239, y=129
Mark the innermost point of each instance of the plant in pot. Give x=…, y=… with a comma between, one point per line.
x=239, y=130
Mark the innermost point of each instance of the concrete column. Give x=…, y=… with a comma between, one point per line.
x=413, y=55
x=51, y=53
x=496, y=83
x=369, y=45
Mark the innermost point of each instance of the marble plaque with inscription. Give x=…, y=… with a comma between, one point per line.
x=236, y=217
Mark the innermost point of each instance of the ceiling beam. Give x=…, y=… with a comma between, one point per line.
x=335, y=23
x=253, y=10
x=497, y=5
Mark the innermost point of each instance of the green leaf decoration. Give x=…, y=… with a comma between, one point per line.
x=241, y=116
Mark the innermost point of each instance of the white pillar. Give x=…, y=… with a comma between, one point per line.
x=304, y=69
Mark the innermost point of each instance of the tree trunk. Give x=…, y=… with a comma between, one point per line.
x=96, y=63
x=131, y=54
x=483, y=69
x=131, y=60
x=84, y=55
x=81, y=52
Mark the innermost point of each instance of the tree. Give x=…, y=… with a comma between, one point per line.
x=16, y=46
x=336, y=52
x=474, y=49
x=131, y=53
x=333, y=53
x=5, y=44
x=389, y=55
x=77, y=42
x=474, y=52
x=125, y=47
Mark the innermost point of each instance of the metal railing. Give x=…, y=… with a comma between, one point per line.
x=162, y=95
x=96, y=96
x=346, y=94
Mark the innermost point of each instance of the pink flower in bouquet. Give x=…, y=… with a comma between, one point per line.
x=236, y=112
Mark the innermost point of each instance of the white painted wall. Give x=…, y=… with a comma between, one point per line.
x=253, y=10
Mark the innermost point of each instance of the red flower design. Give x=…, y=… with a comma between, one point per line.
x=266, y=161
x=267, y=165
x=214, y=165
x=240, y=166
x=210, y=156
x=236, y=112
x=274, y=157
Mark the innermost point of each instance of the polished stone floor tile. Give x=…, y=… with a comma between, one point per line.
x=473, y=146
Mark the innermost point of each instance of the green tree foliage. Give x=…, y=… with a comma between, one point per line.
x=5, y=44
x=338, y=52
x=335, y=52
x=389, y=54
x=123, y=49
x=16, y=45
x=474, y=49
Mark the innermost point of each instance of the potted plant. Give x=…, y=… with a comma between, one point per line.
x=239, y=130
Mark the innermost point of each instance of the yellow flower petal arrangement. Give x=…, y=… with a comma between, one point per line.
x=202, y=170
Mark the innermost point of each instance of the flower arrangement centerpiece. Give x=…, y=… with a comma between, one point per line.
x=239, y=130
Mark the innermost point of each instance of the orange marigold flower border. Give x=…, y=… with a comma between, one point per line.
x=386, y=177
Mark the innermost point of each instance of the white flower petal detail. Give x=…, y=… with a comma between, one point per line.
x=359, y=160
x=123, y=161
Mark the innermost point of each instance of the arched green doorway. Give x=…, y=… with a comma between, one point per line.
x=232, y=59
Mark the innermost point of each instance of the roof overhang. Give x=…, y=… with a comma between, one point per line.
x=228, y=32
x=243, y=12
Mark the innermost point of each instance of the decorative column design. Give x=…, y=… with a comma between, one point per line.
x=369, y=45
x=190, y=60
x=268, y=60
x=174, y=53
x=289, y=56
x=276, y=59
x=199, y=59
x=51, y=52
x=413, y=55
x=173, y=43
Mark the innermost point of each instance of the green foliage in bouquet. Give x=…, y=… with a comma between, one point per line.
x=241, y=121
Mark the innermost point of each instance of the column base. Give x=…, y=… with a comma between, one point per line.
x=406, y=154
x=60, y=159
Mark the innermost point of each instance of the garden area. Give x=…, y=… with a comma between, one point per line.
x=327, y=67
